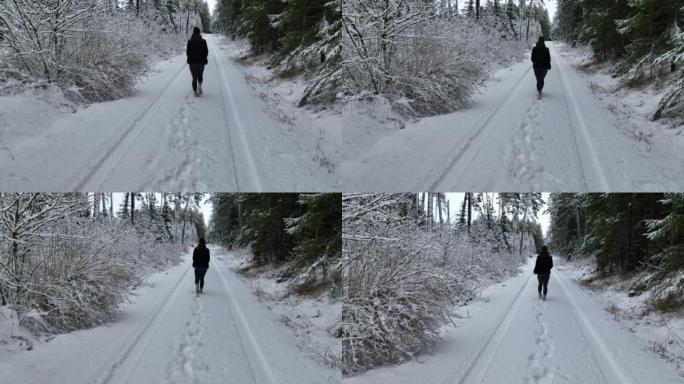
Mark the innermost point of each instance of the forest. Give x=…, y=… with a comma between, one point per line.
x=92, y=50
x=301, y=35
x=69, y=260
x=639, y=236
x=427, y=57
x=644, y=38
x=299, y=231
x=408, y=262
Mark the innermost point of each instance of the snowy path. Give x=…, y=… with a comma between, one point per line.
x=509, y=140
x=517, y=338
x=171, y=336
x=163, y=138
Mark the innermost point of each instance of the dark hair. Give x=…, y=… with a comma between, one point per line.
x=196, y=31
x=202, y=242
x=544, y=251
x=540, y=42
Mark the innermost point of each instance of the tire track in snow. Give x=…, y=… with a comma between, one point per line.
x=591, y=166
x=141, y=339
x=478, y=367
x=239, y=126
x=611, y=372
x=476, y=140
x=96, y=174
x=538, y=370
x=183, y=367
x=259, y=366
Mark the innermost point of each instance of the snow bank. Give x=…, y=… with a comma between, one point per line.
x=632, y=103
x=634, y=311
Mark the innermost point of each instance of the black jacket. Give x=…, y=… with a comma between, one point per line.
x=543, y=265
x=200, y=258
x=197, y=51
x=541, y=57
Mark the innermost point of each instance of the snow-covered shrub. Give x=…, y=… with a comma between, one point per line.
x=81, y=46
x=403, y=50
x=64, y=269
x=403, y=277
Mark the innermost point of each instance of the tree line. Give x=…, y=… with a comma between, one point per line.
x=302, y=35
x=69, y=259
x=299, y=231
x=624, y=233
x=644, y=37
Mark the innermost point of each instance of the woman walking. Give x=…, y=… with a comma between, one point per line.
x=200, y=261
x=542, y=269
x=197, y=53
x=541, y=62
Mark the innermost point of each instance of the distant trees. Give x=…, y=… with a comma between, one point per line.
x=301, y=231
x=301, y=35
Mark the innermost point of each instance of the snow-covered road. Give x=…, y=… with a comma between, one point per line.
x=509, y=140
x=163, y=138
x=169, y=335
x=514, y=337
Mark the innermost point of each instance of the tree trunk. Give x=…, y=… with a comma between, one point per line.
x=133, y=208
x=469, y=195
x=185, y=217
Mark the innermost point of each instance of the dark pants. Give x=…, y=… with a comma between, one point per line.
x=199, y=276
x=197, y=71
x=540, y=74
x=543, y=282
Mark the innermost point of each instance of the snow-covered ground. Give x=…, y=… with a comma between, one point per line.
x=167, y=334
x=314, y=319
x=163, y=138
x=514, y=337
x=509, y=140
x=663, y=332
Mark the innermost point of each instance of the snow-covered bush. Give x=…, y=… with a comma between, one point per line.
x=64, y=269
x=81, y=46
x=403, y=277
x=426, y=62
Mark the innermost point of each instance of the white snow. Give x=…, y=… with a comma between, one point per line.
x=514, y=337
x=509, y=140
x=163, y=138
x=313, y=319
x=170, y=335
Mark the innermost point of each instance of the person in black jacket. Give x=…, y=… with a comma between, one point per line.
x=542, y=269
x=197, y=53
x=200, y=261
x=541, y=62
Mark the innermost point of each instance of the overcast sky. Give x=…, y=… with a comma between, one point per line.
x=212, y=5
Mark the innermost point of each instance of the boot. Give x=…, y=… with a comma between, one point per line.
x=199, y=89
x=197, y=288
